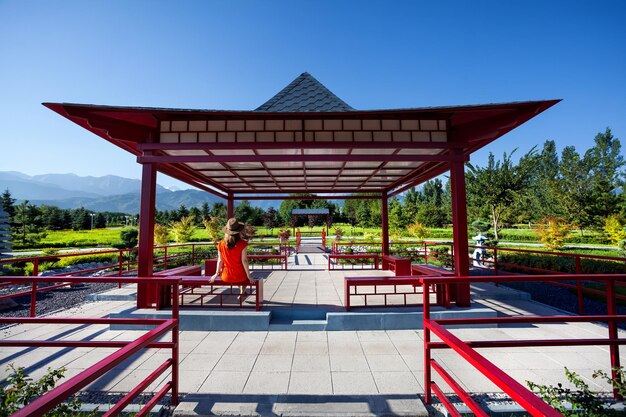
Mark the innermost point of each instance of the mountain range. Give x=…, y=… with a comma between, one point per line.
x=107, y=193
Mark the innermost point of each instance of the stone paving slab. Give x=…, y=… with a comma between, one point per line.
x=365, y=373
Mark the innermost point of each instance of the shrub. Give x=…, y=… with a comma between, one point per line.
x=183, y=229
x=20, y=389
x=212, y=227
x=552, y=232
x=83, y=259
x=442, y=255
x=161, y=234
x=129, y=237
x=581, y=402
x=614, y=229
x=284, y=235
x=418, y=230
x=565, y=264
x=338, y=234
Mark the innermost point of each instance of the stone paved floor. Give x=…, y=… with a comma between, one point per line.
x=312, y=363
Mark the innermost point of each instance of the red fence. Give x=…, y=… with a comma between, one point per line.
x=165, y=258
x=150, y=339
x=466, y=349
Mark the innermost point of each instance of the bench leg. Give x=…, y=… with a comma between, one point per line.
x=346, y=295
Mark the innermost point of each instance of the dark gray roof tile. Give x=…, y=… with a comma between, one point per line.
x=303, y=94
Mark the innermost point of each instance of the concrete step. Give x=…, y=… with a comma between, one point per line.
x=297, y=325
x=296, y=405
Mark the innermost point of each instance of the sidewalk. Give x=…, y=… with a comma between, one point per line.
x=360, y=372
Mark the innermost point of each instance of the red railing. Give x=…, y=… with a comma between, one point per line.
x=324, y=240
x=65, y=390
x=522, y=395
x=125, y=265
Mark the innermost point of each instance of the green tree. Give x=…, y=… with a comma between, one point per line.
x=27, y=225
x=432, y=209
x=396, y=219
x=196, y=214
x=129, y=237
x=182, y=212
x=271, y=219
x=53, y=218
x=606, y=163
x=575, y=188
x=161, y=234
x=100, y=221
x=8, y=203
x=183, y=229
x=81, y=219
x=614, y=228
x=219, y=210
x=244, y=212
x=213, y=228
x=498, y=185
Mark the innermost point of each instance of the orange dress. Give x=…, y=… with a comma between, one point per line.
x=233, y=269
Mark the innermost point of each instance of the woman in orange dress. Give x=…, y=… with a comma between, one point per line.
x=232, y=259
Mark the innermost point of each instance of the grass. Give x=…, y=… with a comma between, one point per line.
x=80, y=238
x=108, y=237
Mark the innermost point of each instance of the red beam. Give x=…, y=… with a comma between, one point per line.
x=298, y=145
x=242, y=196
x=146, y=159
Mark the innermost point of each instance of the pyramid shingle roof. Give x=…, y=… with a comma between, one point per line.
x=305, y=94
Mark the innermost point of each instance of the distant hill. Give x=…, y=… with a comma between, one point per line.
x=107, y=193
x=129, y=203
x=66, y=186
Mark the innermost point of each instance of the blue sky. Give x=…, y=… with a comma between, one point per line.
x=237, y=54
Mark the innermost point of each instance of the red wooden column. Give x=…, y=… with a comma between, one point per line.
x=146, y=293
x=385, y=223
x=459, y=230
x=230, y=206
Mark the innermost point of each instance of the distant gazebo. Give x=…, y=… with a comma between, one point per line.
x=295, y=213
x=303, y=140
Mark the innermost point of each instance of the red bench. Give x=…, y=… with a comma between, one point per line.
x=165, y=292
x=442, y=291
x=192, y=287
x=282, y=258
x=338, y=256
x=355, y=282
x=400, y=266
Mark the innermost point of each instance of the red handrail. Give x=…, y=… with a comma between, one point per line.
x=526, y=398
x=57, y=395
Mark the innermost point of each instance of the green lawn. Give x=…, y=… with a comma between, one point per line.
x=80, y=238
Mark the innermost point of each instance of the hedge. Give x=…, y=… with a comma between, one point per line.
x=566, y=264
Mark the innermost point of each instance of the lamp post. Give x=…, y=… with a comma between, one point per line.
x=92, y=216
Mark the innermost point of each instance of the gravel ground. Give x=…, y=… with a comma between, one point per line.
x=562, y=298
x=51, y=301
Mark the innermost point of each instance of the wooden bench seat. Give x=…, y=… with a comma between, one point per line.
x=355, y=282
x=400, y=266
x=338, y=256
